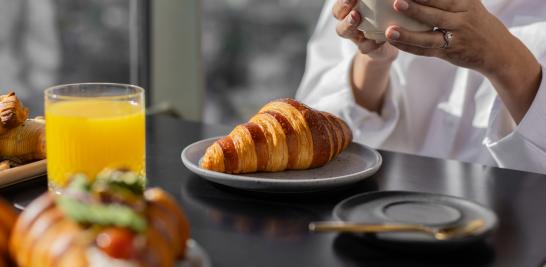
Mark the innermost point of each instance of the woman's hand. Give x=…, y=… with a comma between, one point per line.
x=480, y=42
x=349, y=19
x=479, y=38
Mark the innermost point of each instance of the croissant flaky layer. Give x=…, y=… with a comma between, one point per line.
x=284, y=135
x=24, y=143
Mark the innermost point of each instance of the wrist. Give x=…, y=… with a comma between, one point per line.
x=369, y=81
x=514, y=70
x=374, y=60
x=516, y=75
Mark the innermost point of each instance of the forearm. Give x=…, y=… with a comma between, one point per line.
x=370, y=80
x=516, y=78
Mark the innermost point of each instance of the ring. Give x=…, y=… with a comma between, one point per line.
x=448, y=36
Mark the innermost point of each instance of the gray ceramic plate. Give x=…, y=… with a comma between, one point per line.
x=354, y=164
x=432, y=210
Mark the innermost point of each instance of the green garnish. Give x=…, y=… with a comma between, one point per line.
x=79, y=183
x=110, y=200
x=121, y=178
x=100, y=214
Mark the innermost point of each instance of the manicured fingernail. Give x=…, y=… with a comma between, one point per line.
x=352, y=18
x=394, y=35
x=402, y=4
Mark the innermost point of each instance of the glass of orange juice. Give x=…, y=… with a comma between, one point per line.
x=93, y=126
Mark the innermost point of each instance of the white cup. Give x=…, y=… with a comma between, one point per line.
x=378, y=15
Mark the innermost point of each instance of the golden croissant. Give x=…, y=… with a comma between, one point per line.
x=46, y=233
x=24, y=143
x=22, y=140
x=284, y=135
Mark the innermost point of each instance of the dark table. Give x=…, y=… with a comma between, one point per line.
x=245, y=229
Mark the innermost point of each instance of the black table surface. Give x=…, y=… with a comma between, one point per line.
x=244, y=229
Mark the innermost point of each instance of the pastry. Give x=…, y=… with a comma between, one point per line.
x=24, y=143
x=12, y=112
x=284, y=135
x=110, y=222
x=7, y=220
x=22, y=140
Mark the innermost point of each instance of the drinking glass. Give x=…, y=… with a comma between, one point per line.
x=93, y=126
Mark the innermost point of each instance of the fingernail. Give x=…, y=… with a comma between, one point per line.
x=402, y=4
x=394, y=35
x=352, y=18
x=347, y=2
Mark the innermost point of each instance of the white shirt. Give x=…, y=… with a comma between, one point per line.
x=433, y=108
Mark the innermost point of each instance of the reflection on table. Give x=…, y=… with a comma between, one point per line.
x=246, y=229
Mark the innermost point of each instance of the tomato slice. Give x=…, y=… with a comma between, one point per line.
x=117, y=243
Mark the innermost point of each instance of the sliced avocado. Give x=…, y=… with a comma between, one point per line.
x=102, y=214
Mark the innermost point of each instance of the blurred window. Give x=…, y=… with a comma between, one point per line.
x=47, y=42
x=253, y=52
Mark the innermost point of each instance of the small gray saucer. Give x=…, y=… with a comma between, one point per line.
x=415, y=208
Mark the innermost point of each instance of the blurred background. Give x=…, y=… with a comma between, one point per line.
x=253, y=51
x=211, y=60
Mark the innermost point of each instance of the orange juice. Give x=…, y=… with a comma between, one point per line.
x=86, y=136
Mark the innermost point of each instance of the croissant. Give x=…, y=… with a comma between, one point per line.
x=45, y=236
x=284, y=135
x=7, y=220
x=24, y=143
x=12, y=112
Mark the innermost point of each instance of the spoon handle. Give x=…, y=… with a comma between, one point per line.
x=365, y=228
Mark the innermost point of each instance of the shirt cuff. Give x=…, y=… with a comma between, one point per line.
x=368, y=127
x=520, y=146
x=532, y=126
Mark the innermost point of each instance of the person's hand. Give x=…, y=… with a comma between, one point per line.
x=349, y=19
x=479, y=41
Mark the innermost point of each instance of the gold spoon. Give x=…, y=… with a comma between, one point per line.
x=444, y=233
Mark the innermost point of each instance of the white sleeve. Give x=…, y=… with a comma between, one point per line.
x=326, y=85
x=522, y=146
